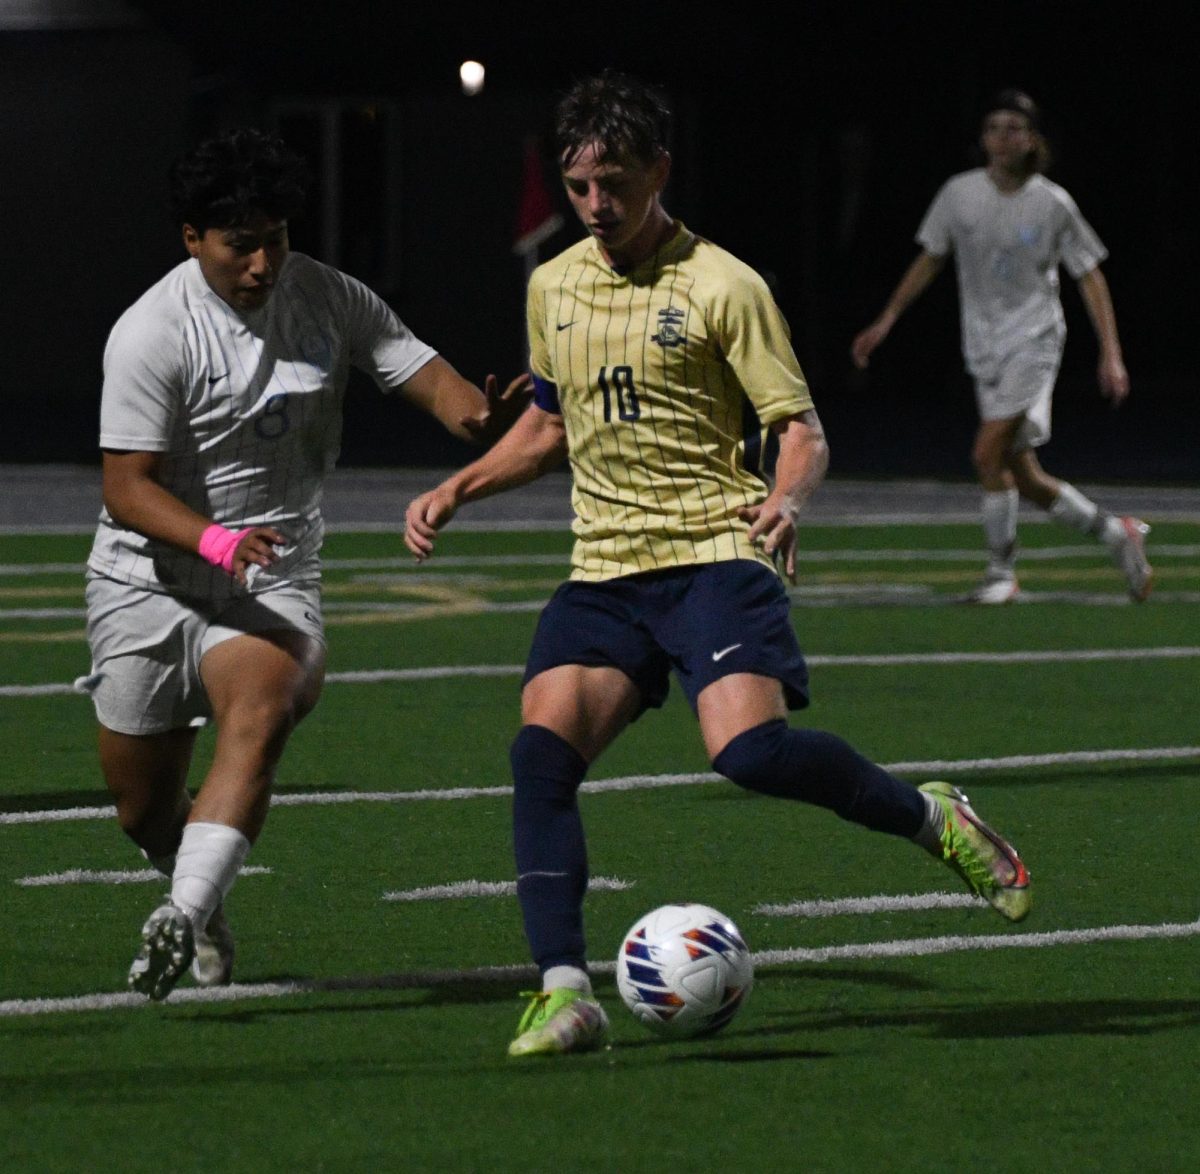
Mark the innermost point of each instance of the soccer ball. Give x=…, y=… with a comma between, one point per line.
x=684, y=970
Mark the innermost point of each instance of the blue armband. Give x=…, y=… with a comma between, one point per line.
x=545, y=395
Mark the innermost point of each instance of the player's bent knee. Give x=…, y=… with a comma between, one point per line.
x=752, y=758
x=544, y=765
x=811, y=766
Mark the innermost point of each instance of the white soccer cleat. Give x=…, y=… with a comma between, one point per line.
x=995, y=589
x=1129, y=553
x=167, y=948
x=213, y=963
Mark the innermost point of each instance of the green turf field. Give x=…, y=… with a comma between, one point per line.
x=367, y=1026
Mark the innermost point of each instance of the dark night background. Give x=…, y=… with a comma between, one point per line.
x=809, y=148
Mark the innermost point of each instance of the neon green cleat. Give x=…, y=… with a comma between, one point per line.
x=989, y=865
x=561, y=1020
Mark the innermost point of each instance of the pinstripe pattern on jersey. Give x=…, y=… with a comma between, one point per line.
x=666, y=377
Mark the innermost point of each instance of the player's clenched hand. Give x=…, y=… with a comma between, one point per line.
x=1114, y=380
x=773, y=526
x=256, y=549
x=865, y=342
x=502, y=409
x=425, y=516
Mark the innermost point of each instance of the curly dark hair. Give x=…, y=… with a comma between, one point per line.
x=628, y=118
x=229, y=179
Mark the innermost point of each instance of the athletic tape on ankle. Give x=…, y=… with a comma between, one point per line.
x=218, y=544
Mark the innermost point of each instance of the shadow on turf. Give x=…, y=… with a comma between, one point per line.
x=430, y=989
x=1115, y=1017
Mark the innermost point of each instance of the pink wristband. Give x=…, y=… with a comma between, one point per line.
x=218, y=544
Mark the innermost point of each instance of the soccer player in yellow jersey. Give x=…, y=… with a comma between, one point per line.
x=658, y=359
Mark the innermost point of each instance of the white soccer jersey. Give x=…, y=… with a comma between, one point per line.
x=1007, y=248
x=245, y=408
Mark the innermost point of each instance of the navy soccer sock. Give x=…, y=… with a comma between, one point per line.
x=552, y=870
x=816, y=767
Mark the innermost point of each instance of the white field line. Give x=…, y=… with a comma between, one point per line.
x=899, y=948
x=816, y=520
x=925, y=947
x=854, y=906
x=650, y=782
x=476, y=888
x=869, y=660
x=406, y=563
x=138, y=876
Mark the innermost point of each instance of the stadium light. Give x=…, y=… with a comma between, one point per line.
x=471, y=74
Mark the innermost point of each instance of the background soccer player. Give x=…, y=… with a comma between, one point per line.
x=221, y=414
x=657, y=360
x=1009, y=229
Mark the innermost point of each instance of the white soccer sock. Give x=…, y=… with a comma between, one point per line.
x=568, y=976
x=1072, y=509
x=207, y=863
x=1000, y=530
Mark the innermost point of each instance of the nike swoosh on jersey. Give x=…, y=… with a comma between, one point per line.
x=216, y=378
x=564, y=325
x=724, y=652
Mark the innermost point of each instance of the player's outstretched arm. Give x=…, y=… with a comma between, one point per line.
x=925, y=267
x=800, y=469
x=461, y=407
x=1114, y=379
x=534, y=445
x=135, y=499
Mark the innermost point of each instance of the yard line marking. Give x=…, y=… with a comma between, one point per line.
x=35, y=690
x=409, y=565
x=1066, y=758
x=900, y=948
x=62, y=815
x=42, y=568
x=926, y=947
x=439, y=672
x=88, y=876
x=1038, y=656
x=838, y=594
x=879, y=904
x=865, y=660
x=650, y=782
x=475, y=888
x=43, y=613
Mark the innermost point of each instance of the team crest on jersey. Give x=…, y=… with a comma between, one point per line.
x=669, y=322
x=318, y=351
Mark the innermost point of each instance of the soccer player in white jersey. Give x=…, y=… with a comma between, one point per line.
x=658, y=359
x=1010, y=228
x=221, y=414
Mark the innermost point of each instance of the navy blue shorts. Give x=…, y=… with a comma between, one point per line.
x=704, y=622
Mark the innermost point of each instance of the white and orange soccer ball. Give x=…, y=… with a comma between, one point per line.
x=684, y=970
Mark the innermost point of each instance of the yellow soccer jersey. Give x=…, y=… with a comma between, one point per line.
x=666, y=377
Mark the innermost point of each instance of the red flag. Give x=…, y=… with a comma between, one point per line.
x=537, y=220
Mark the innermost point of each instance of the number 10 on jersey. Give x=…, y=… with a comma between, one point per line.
x=617, y=383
